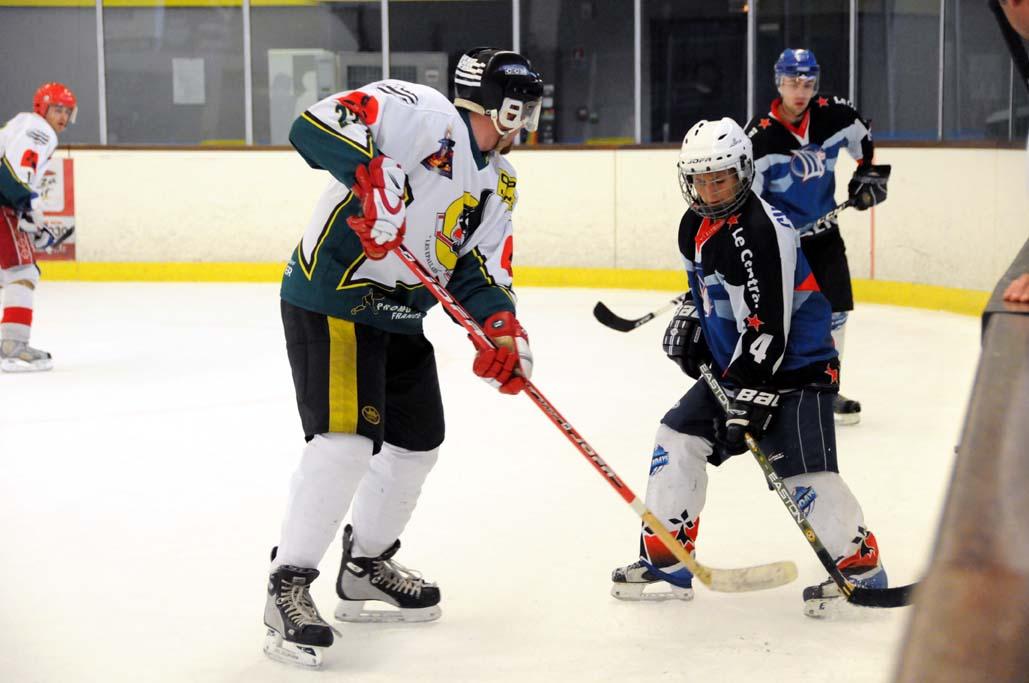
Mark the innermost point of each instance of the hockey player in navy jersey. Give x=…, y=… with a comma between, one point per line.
x=796, y=147
x=408, y=166
x=759, y=319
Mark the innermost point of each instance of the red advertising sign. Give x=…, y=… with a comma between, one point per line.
x=58, y=195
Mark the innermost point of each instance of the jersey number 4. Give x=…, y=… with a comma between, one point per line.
x=759, y=349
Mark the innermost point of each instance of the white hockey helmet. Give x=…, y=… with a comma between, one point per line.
x=711, y=146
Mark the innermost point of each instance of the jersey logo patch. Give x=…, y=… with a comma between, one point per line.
x=452, y=229
x=442, y=160
x=506, y=189
x=808, y=163
x=29, y=159
x=359, y=104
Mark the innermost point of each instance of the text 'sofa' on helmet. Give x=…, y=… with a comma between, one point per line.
x=711, y=146
x=500, y=84
x=55, y=93
x=796, y=64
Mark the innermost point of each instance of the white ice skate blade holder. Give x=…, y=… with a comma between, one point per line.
x=304, y=656
x=19, y=365
x=847, y=418
x=659, y=592
x=354, y=611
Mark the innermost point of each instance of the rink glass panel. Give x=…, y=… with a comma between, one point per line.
x=898, y=55
x=290, y=49
x=976, y=87
x=64, y=51
x=693, y=66
x=821, y=26
x=174, y=74
x=585, y=52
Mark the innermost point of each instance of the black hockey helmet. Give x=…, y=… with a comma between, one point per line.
x=500, y=84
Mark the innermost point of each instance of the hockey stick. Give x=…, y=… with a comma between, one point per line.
x=866, y=597
x=606, y=317
x=723, y=580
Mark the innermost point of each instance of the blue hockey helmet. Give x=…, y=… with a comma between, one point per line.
x=796, y=64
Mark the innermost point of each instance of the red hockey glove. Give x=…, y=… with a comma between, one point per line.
x=510, y=364
x=380, y=187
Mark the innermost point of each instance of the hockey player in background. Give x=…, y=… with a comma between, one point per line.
x=408, y=167
x=796, y=146
x=758, y=319
x=27, y=142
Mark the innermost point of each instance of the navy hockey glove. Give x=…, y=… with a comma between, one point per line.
x=684, y=340
x=750, y=412
x=868, y=186
x=507, y=366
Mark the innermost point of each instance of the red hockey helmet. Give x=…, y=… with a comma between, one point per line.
x=55, y=93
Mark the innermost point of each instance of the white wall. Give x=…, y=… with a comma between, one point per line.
x=955, y=217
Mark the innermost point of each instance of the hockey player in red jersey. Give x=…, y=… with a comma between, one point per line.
x=408, y=167
x=757, y=318
x=27, y=142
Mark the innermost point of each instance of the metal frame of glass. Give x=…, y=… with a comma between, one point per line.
x=752, y=8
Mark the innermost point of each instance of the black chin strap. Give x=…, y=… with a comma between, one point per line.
x=1014, y=42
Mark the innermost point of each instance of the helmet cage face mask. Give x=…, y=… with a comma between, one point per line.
x=712, y=146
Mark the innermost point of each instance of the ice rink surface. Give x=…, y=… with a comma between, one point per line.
x=145, y=477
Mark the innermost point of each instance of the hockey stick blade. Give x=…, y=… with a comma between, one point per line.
x=898, y=596
x=607, y=318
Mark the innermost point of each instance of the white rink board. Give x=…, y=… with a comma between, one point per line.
x=144, y=480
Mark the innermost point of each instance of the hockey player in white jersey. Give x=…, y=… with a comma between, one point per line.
x=27, y=142
x=408, y=167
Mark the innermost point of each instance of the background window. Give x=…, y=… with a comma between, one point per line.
x=65, y=52
x=301, y=55
x=174, y=74
x=427, y=38
x=976, y=75
x=898, y=67
x=584, y=50
x=694, y=66
x=822, y=26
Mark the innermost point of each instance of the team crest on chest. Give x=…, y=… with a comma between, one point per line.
x=442, y=160
x=452, y=229
x=808, y=163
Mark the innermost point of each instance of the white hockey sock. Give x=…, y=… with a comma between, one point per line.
x=831, y=508
x=676, y=490
x=19, y=292
x=387, y=496
x=320, y=492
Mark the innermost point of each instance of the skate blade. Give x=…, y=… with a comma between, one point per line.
x=847, y=418
x=305, y=656
x=660, y=592
x=354, y=611
x=15, y=365
x=829, y=608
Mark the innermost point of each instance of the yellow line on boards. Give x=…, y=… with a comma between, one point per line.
x=966, y=301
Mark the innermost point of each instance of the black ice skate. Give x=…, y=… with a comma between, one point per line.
x=296, y=632
x=826, y=600
x=632, y=581
x=385, y=580
x=845, y=410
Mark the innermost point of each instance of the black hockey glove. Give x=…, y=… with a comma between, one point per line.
x=684, y=340
x=751, y=411
x=868, y=186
